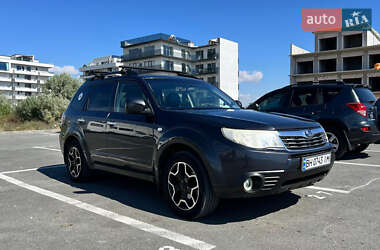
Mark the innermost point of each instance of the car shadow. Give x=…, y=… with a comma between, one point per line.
x=143, y=195
x=361, y=155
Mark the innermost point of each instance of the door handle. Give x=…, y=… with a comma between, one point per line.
x=80, y=120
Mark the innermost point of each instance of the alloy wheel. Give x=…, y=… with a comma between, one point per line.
x=74, y=162
x=333, y=141
x=183, y=186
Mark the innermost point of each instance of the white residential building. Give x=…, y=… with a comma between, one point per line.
x=216, y=62
x=348, y=56
x=22, y=76
x=102, y=64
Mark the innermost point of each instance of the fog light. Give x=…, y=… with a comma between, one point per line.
x=248, y=184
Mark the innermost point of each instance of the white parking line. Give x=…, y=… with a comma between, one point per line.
x=52, y=149
x=329, y=189
x=370, y=150
x=182, y=239
x=357, y=164
x=362, y=186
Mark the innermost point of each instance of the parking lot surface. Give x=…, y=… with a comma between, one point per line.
x=42, y=209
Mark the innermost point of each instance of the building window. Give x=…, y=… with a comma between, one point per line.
x=305, y=67
x=27, y=77
x=183, y=53
x=168, y=65
x=352, y=41
x=168, y=51
x=28, y=93
x=28, y=85
x=211, y=54
x=148, y=64
x=183, y=67
x=4, y=66
x=149, y=50
x=18, y=67
x=135, y=53
x=327, y=44
x=373, y=59
x=212, y=80
x=199, y=55
x=199, y=68
x=328, y=65
x=352, y=63
x=28, y=68
x=211, y=68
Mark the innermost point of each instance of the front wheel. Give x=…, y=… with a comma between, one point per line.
x=187, y=188
x=337, y=141
x=76, y=163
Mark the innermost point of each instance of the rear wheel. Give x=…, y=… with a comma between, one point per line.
x=359, y=148
x=187, y=188
x=76, y=163
x=337, y=141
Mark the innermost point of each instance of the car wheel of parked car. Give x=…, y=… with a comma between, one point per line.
x=75, y=161
x=336, y=139
x=187, y=188
x=359, y=148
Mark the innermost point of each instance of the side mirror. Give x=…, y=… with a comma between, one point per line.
x=239, y=103
x=137, y=106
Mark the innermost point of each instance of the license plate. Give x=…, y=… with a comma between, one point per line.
x=315, y=161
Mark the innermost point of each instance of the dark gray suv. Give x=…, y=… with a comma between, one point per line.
x=189, y=138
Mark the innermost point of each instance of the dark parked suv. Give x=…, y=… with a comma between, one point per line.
x=189, y=138
x=346, y=111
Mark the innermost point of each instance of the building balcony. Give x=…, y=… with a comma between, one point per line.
x=20, y=97
x=2, y=87
x=157, y=52
x=25, y=80
x=5, y=79
x=25, y=89
x=207, y=71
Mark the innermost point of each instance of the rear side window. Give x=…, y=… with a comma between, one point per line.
x=101, y=96
x=305, y=97
x=365, y=95
x=330, y=93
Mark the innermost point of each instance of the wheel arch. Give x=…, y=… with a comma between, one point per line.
x=326, y=123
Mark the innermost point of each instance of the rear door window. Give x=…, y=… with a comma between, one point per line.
x=101, y=96
x=365, y=95
x=303, y=97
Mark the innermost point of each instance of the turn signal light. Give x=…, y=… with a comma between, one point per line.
x=360, y=108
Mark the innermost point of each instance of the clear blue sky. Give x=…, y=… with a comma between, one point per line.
x=74, y=32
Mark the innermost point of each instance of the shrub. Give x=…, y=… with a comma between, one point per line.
x=62, y=85
x=5, y=106
x=46, y=108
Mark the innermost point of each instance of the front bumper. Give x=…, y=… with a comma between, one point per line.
x=278, y=171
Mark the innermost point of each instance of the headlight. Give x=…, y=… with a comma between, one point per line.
x=254, y=138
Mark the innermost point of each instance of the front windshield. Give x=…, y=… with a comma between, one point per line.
x=189, y=94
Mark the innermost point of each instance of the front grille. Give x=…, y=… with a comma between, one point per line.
x=297, y=140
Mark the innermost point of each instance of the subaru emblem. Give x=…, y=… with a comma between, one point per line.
x=308, y=133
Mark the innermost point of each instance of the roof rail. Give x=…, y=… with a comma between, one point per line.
x=149, y=69
x=129, y=70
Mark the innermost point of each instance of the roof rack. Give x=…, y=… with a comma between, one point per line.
x=129, y=70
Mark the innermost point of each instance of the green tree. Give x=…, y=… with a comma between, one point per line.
x=62, y=85
x=5, y=106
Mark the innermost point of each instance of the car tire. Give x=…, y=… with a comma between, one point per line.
x=338, y=141
x=359, y=148
x=186, y=186
x=76, y=163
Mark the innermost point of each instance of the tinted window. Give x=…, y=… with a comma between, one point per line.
x=79, y=98
x=189, y=94
x=305, y=97
x=274, y=102
x=330, y=93
x=365, y=95
x=127, y=91
x=101, y=96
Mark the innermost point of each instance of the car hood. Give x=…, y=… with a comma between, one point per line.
x=249, y=119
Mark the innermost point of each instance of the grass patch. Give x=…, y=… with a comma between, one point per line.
x=13, y=123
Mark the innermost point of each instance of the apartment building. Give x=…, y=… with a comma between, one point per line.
x=215, y=62
x=22, y=76
x=348, y=56
x=102, y=64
